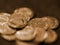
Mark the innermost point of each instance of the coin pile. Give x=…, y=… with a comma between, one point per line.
x=26, y=30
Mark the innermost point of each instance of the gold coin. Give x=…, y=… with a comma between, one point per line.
x=28, y=33
x=4, y=18
x=8, y=37
x=38, y=22
x=24, y=43
x=51, y=22
x=52, y=36
x=24, y=11
x=5, y=29
x=41, y=35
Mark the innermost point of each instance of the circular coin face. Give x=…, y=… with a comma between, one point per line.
x=52, y=36
x=51, y=22
x=38, y=22
x=20, y=17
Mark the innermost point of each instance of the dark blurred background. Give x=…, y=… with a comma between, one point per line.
x=40, y=7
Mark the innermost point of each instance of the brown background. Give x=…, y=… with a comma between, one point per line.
x=40, y=8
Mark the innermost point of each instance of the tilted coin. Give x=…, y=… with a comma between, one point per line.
x=4, y=18
x=20, y=17
x=28, y=33
x=24, y=43
x=4, y=28
x=52, y=36
x=24, y=11
x=17, y=22
x=41, y=35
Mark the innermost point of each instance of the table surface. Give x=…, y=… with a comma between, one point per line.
x=40, y=8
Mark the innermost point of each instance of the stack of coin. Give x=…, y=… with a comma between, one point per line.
x=20, y=27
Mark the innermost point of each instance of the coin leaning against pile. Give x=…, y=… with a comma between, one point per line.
x=33, y=32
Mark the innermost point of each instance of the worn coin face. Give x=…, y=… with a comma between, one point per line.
x=24, y=11
x=52, y=36
x=8, y=37
x=26, y=34
x=38, y=22
x=51, y=22
x=20, y=17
